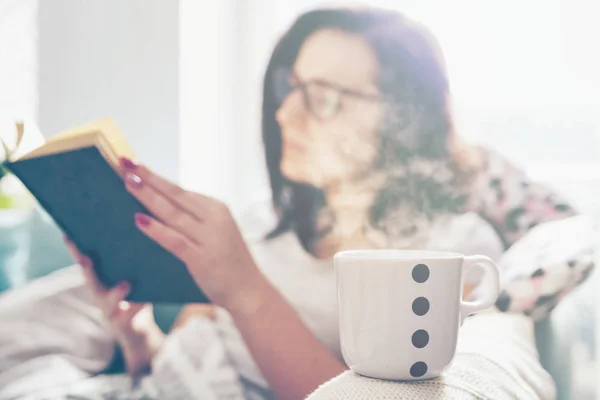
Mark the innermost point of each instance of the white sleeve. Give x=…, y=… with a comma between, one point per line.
x=193, y=364
x=496, y=358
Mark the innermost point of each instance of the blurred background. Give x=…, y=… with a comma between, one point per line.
x=183, y=80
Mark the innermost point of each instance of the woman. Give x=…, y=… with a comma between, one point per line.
x=361, y=152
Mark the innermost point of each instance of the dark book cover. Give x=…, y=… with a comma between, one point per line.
x=88, y=200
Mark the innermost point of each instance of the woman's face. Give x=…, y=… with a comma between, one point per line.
x=330, y=116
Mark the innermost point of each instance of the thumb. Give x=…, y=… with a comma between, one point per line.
x=125, y=312
x=129, y=309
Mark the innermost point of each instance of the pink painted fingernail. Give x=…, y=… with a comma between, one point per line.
x=85, y=262
x=133, y=180
x=142, y=219
x=128, y=163
x=124, y=287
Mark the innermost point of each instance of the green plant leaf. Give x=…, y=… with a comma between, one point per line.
x=7, y=153
x=6, y=149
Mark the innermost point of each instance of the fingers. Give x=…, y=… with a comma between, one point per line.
x=112, y=297
x=124, y=313
x=113, y=304
x=91, y=278
x=164, y=209
x=73, y=250
x=181, y=198
x=169, y=238
x=107, y=299
x=87, y=268
x=111, y=301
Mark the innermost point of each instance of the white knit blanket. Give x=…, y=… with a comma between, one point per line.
x=54, y=341
x=496, y=359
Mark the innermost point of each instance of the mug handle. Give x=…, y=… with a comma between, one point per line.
x=490, y=282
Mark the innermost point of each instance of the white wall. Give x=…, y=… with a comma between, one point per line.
x=225, y=47
x=18, y=97
x=117, y=58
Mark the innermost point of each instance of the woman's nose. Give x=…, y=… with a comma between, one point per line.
x=292, y=110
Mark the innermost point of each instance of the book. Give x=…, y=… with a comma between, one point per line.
x=76, y=178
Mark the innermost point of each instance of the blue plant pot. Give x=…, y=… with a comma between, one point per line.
x=15, y=247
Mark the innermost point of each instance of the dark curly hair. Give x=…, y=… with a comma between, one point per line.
x=413, y=81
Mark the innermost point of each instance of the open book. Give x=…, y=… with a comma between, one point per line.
x=76, y=178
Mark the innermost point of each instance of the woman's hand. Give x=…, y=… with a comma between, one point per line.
x=133, y=323
x=201, y=232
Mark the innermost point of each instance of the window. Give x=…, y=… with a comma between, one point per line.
x=520, y=74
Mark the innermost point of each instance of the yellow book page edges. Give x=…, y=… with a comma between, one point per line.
x=110, y=132
x=103, y=133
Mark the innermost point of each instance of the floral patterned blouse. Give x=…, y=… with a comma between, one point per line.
x=514, y=205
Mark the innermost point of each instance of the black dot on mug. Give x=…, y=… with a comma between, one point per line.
x=420, y=338
x=420, y=306
x=420, y=273
x=418, y=369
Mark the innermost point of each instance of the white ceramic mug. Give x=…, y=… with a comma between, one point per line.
x=400, y=311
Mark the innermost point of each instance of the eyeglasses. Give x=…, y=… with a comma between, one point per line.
x=321, y=98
